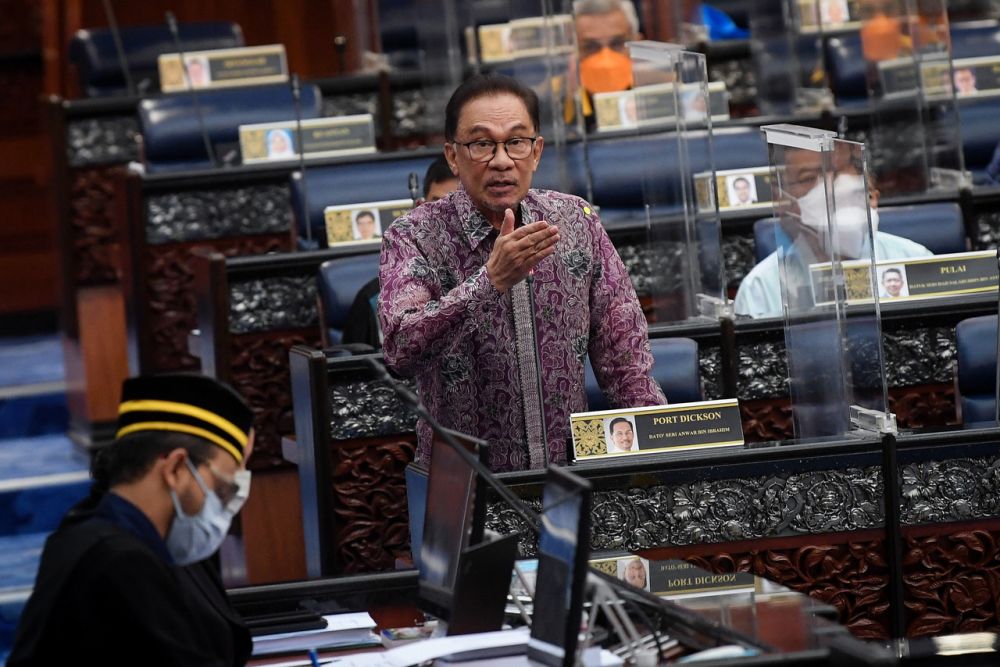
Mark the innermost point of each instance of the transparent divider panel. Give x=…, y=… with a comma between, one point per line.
x=826, y=278
x=915, y=136
x=667, y=111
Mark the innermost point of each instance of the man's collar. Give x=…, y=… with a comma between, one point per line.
x=475, y=226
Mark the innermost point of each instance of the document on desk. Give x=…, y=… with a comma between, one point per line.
x=342, y=630
x=459, y=646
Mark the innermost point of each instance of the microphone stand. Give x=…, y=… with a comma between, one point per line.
x=172, y=26
x=538, y=364
x=297, y=103
x=116, y=37
x=411, y=183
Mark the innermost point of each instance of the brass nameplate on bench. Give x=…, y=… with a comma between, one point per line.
x=674, y=578
x=659, y=429
x=321, y=137
x=223, y=68
x=362, y=223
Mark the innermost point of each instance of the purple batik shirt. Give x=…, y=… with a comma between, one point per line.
x=470, y=347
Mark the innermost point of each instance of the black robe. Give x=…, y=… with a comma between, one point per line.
x=104, y=597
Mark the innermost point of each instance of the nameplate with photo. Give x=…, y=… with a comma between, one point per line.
x=656, y=429
x=909, y=279
x=675, y=578
x=656, y=104
x=932, y=74
x=738, y=189
x=321, y=137
x=828, y=15
x=362, y=223
x=223, y=68
x=526, y=38
x=974, y=77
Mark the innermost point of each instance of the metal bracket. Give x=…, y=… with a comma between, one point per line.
x=873, y=421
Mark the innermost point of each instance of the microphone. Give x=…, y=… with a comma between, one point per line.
x=411, y=183
x=175, y=34
x=116, y=37
x=340, y=43
x=297, y=103
x=411, y=399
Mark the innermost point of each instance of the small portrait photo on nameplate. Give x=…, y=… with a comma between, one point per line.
x=892, y=281
x=634, y=571
x=362, y=223
x=223, y=68
x=321, y=137
x=976, y=76
x=739, y=189
x=675, y=578
x=656, y=429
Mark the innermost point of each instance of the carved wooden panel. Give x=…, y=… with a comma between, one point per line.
x=260, y=373
x=924, y=406
x=94, y=242
x=369, y=490
x=170, y=299
x=766, y=419
x=952, y=580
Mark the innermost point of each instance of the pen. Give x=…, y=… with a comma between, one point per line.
x=313, y=657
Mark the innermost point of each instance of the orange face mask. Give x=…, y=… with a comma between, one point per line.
x=606, y=72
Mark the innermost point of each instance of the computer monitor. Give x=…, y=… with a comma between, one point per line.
x=453, y=520
x=563, y=549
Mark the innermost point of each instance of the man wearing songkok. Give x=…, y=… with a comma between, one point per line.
x=456, y=278
x=123, y=580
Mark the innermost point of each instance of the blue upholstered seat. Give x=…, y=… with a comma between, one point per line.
x=980, y=134
x=354, y=182
x=938, y=227
x=96, y=58
x=339, y=282
x=977, y=366
x=171, y=131
x=675, y=367
x=626, y=172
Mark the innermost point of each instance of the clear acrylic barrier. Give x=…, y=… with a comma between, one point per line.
x=825, y=261
x=534, y=41
x=440, y=64
x=787, y=50
x=668, y=107
x=915, y=138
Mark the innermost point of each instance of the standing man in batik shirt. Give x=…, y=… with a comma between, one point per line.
x=455, y=308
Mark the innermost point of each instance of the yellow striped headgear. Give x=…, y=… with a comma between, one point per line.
x=186, y=403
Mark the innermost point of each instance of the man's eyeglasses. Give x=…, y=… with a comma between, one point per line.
x=484, y=150
x=232, y=491
x=589, y=47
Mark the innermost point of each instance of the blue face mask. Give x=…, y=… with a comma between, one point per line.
x=196, y=537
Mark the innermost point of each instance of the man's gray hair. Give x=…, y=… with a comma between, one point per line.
x=597, y=7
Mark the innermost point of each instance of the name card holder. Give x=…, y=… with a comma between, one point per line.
x=620, y=110
x=676, y=579
x=526, y=38
x=739, y=189
x=362, y=223
x=223, y=68
x=321, y=137
x=909, y=279
x=658, y=429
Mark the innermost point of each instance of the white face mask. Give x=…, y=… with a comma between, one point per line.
x=850, y=219
x=196, y=537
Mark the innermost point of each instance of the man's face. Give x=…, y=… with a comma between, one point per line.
x=965, y=81
x=366, y=227
x=279, y=143
x=440, y=189
x=892, y=281
x=742, y=189
x=597, y=31
x=218, y=474
x=621, y=435
x=500, y=183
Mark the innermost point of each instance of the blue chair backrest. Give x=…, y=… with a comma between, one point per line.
x=938, y=227
x=171, y=131
x=980, y=134
x=622, y=167
x=846, y=65
x=977, y=367
x=96, y=58
x=675, y=368
x=353, y=182
x=340, y=279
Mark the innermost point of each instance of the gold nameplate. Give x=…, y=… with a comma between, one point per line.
x=321, y=137
x=738, y=189
x=828, y=14
x=662, y=428
x=675, y=578
x=223, y=68
x=976, y=77
x=656, y=104
x=909, y=279
x=526, y=38
x=362, y=223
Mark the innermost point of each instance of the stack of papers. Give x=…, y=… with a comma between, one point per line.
x=341, y=631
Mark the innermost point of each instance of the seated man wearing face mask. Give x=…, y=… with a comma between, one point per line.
x=803, y=229
x=123, y=580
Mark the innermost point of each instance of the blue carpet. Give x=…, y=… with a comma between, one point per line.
x=40, y=455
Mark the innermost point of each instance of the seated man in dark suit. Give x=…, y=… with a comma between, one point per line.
x=362, y=322
x=124, y=580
